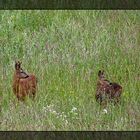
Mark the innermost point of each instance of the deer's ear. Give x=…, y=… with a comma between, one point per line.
x=99, y=73
x=18, y=62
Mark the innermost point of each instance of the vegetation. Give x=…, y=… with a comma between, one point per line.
x=65, y=50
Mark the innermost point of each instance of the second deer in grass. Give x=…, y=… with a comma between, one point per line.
x=106, y=90
x=23, y=84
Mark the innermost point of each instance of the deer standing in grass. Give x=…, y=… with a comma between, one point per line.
x=106, y=90
x=23, y=84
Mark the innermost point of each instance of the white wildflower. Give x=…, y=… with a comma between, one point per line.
x=105, y=111
x=73, y=109
x=66, y=122
x=54, y=112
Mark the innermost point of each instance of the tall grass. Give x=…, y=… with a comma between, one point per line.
x=65, y=49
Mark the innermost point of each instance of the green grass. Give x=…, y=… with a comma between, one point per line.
x=65, y=50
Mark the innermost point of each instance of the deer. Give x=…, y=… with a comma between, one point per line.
x=106, y=90
x=23, y=84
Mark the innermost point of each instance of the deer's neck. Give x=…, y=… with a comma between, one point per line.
x=17, y=76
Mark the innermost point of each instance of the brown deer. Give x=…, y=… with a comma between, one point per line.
x=23, y=84
x=106, y=90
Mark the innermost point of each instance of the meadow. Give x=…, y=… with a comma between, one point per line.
x=65, y=50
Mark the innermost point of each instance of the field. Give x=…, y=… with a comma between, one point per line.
x=65, y=50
